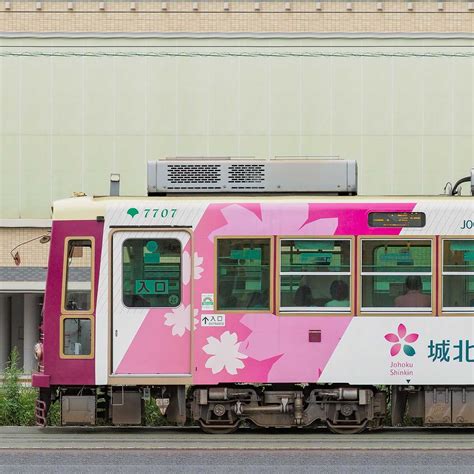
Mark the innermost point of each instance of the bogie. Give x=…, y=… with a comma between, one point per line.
x=343, y=409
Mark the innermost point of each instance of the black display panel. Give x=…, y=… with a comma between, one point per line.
x=397, y=219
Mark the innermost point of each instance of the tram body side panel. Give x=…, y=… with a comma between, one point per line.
x=260, y=346
x=60, y=321
x=404, y=351
x=152, y=344
x=263, y=347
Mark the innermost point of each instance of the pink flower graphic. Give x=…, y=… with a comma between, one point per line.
x=399, y=339
x=266, y=220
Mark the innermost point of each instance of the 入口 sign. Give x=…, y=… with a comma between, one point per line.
x=212, y=320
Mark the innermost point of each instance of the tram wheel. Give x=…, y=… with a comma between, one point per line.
x=346, y=429
x=219, y=429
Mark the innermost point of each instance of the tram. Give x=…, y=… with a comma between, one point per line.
x=259, y=292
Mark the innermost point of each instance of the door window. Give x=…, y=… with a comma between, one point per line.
x=151, y=272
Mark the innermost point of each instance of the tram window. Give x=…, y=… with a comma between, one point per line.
x=77, y=337
x=243, y=274
x=151, y=273
x=396, y=275
x=458, y=275
x=78, y=281
x=315, y=276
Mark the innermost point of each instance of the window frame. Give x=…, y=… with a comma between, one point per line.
x=64, y=310
x=271, y=239
x=181, y=285
x=352, y=261
x=62, y=319
x=450, y=311
x=390, y=311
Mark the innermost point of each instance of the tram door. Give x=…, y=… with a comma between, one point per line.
x=151, y=303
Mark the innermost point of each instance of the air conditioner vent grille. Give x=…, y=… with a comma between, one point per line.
x=246, y=173
x=193, y=174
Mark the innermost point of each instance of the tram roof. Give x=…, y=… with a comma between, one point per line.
x=89, y=207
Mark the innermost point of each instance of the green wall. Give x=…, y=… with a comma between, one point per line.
x=68, y=122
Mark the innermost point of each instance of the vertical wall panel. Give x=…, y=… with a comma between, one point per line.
x=35, y=108
x=462, y=92
x=99, y=105
x=407, y=166
x=130, y=163
x=67, y=175
x=377, y=101
x=193, y=98
x=161, y=96
x=98, y=163
x=10, y=95
x=223, y=145
x=67, y=97
x=316, y=98
x=67, y=123
x=437, y=102
x=10, y=189
x=285, y=97
x=377, y=154
x=223, y=105
x=347, y=96
x=35, y=174
x=255, y=91
x=408, y=96
x=130, y=96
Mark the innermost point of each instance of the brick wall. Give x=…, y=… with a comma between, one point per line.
x=237, y=16
x=33, y=254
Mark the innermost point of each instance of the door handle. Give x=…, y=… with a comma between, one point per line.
x=116, y=333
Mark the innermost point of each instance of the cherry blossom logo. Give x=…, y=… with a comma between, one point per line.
x=400, y=340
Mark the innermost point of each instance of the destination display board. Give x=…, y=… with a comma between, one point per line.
x=397, y=219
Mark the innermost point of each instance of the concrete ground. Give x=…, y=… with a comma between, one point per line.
x=236, y=461
x=187, y=450
x=245, y=439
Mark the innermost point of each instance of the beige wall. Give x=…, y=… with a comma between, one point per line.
x=210, y=16
x=68, y=122
x=32, y=254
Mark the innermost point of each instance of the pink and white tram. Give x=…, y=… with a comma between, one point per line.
x=278, y=308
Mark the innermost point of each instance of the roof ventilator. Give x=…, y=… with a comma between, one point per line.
x=233, y=175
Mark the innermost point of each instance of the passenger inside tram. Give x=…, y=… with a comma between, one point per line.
x=413, y=296
x=339, y=291
x=304, y=294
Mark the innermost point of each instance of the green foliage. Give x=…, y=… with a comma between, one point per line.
x=54, y=414
x=10, y=398
x=17, y=403
x=27, y=403
x=153, y=416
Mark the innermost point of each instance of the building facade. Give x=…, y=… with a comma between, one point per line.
x=93, y=88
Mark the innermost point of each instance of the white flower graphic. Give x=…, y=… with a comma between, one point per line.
x=198, y=261
x=179, y=320
x=224, y=353
x=187, y=267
